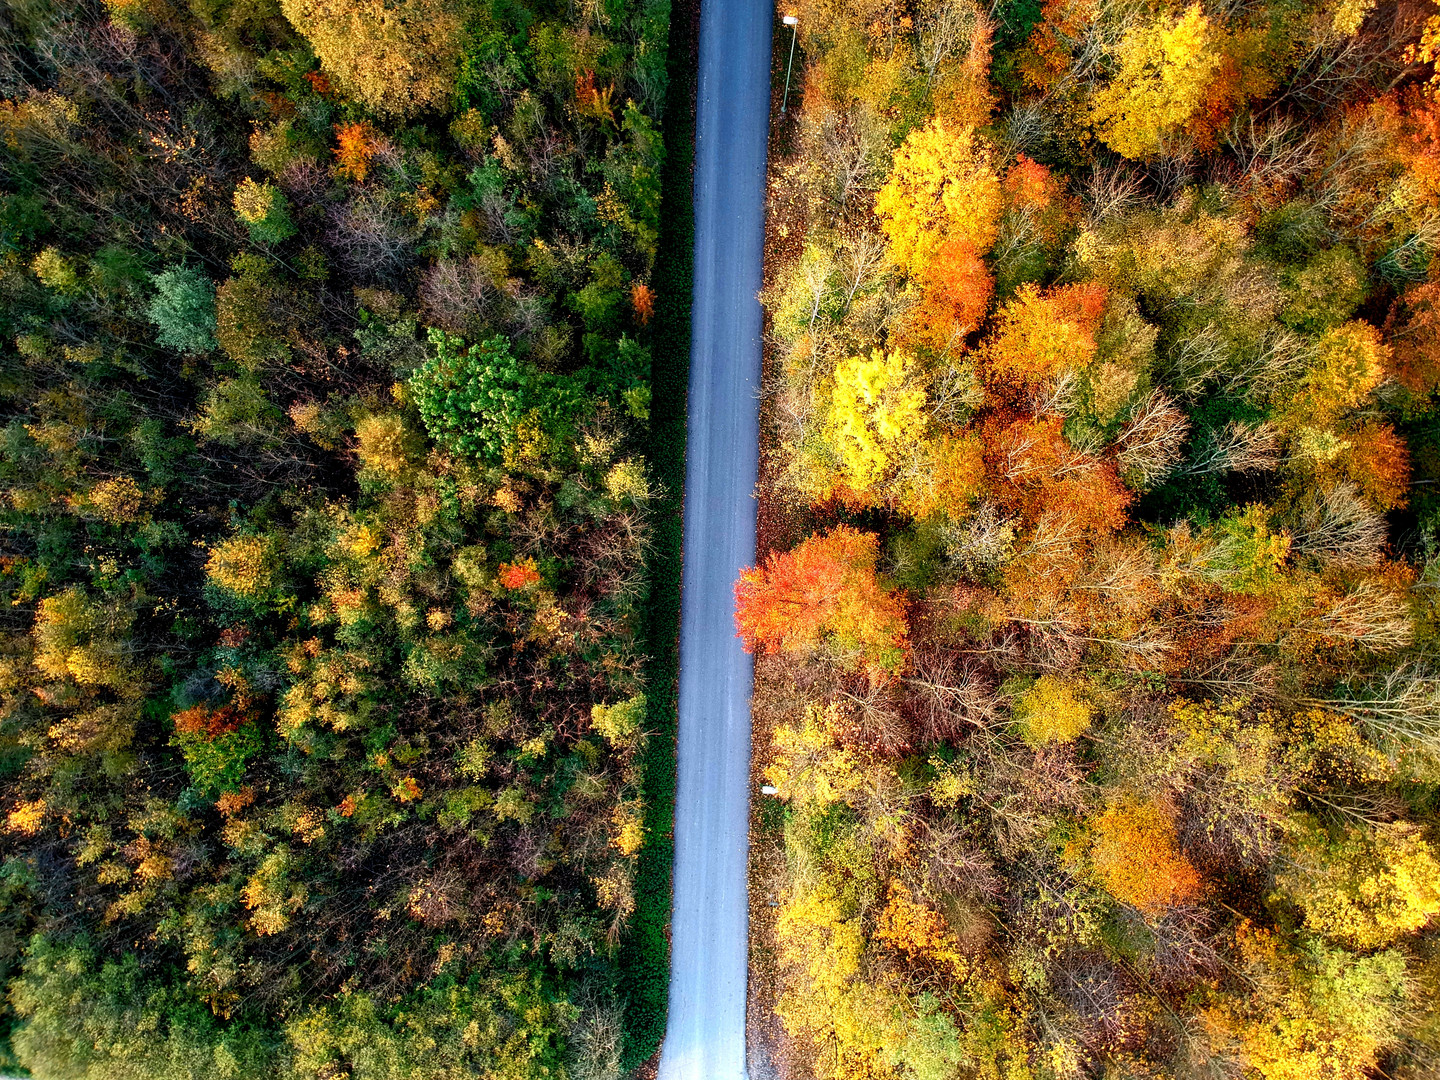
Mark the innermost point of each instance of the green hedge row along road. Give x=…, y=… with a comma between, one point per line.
x=645, y=954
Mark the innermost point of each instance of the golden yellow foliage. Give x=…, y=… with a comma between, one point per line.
x=628, y=824
x=1051, y=712
x=253, y=201
x=919, y=932
x=1041, y=335
x=941, y=475
x=1347, y=15
x=398, y=57
x=1318, y=1015
x=271, y=895
x=79, y=639
x=619, y=723
x=1134, y=857
x=241, y=564
x=810, y=765
x=26, y=818
x=942, y=187
x=56, y=271
x=825, y=1000
x=1350, y=362
x=875, y=414
x=117, y=501
x=385, y=447
x=1165, y=66
x=1366, y=887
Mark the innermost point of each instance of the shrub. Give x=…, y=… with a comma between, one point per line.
x=236, y=412
x=183, y=310
x=91, y=1018
x=251, y=323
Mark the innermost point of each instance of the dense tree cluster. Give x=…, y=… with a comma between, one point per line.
x=1102, y=367
x=325, y=383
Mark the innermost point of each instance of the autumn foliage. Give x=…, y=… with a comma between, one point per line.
x=1116, y=327
x=942, y=188
x=956, y=286
x=823, y=592
x=1134, y=856
x=355, y=147
x=1041, y=335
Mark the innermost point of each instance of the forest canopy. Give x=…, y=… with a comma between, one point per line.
x=326, y=388
x=1094, y=616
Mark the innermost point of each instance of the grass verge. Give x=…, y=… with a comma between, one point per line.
x=645, y=951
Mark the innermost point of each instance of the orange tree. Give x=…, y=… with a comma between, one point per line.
x=824, y=592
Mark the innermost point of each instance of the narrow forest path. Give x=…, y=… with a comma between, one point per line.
x=705, y=1031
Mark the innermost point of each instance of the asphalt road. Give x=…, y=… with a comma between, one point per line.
x=705, y=1032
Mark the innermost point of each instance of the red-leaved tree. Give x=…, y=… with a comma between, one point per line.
x=824, y=593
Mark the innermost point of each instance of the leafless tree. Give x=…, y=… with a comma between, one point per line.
x=370, y=241
x=1369, y=615
x=862, y=254
x=873, y=708
x=852, y=147
x=1111, y=192
x=1028, y=124
x=949, y=695
x=1184, y=945
x=1337, y=526
x=1240, y=446
x=1122, y=573
x=1151, y=443
x=596, y=1036
x=955, y=865
x=1273, y=367
x=1197, y=360
x=1333, y=68
x=947, y=27
x=1060, y=395
x=1278, y=149
x=955, y=394
x=1401, y=704
x=456, y=294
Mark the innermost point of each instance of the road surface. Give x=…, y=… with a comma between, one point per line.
x=705, y=1031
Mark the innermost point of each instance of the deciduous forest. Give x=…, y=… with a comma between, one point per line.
x=326, y=331
x=1096, y=612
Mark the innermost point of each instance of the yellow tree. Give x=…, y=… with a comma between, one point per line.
x=874, y=415
x=942, y=187
x=1350, y=361
x=1309, y=1014
x=1367, y=887
x=397, y=57
x=1165, y=67
x=1052, y=712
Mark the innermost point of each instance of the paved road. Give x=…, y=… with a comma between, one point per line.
x=705, y=1034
